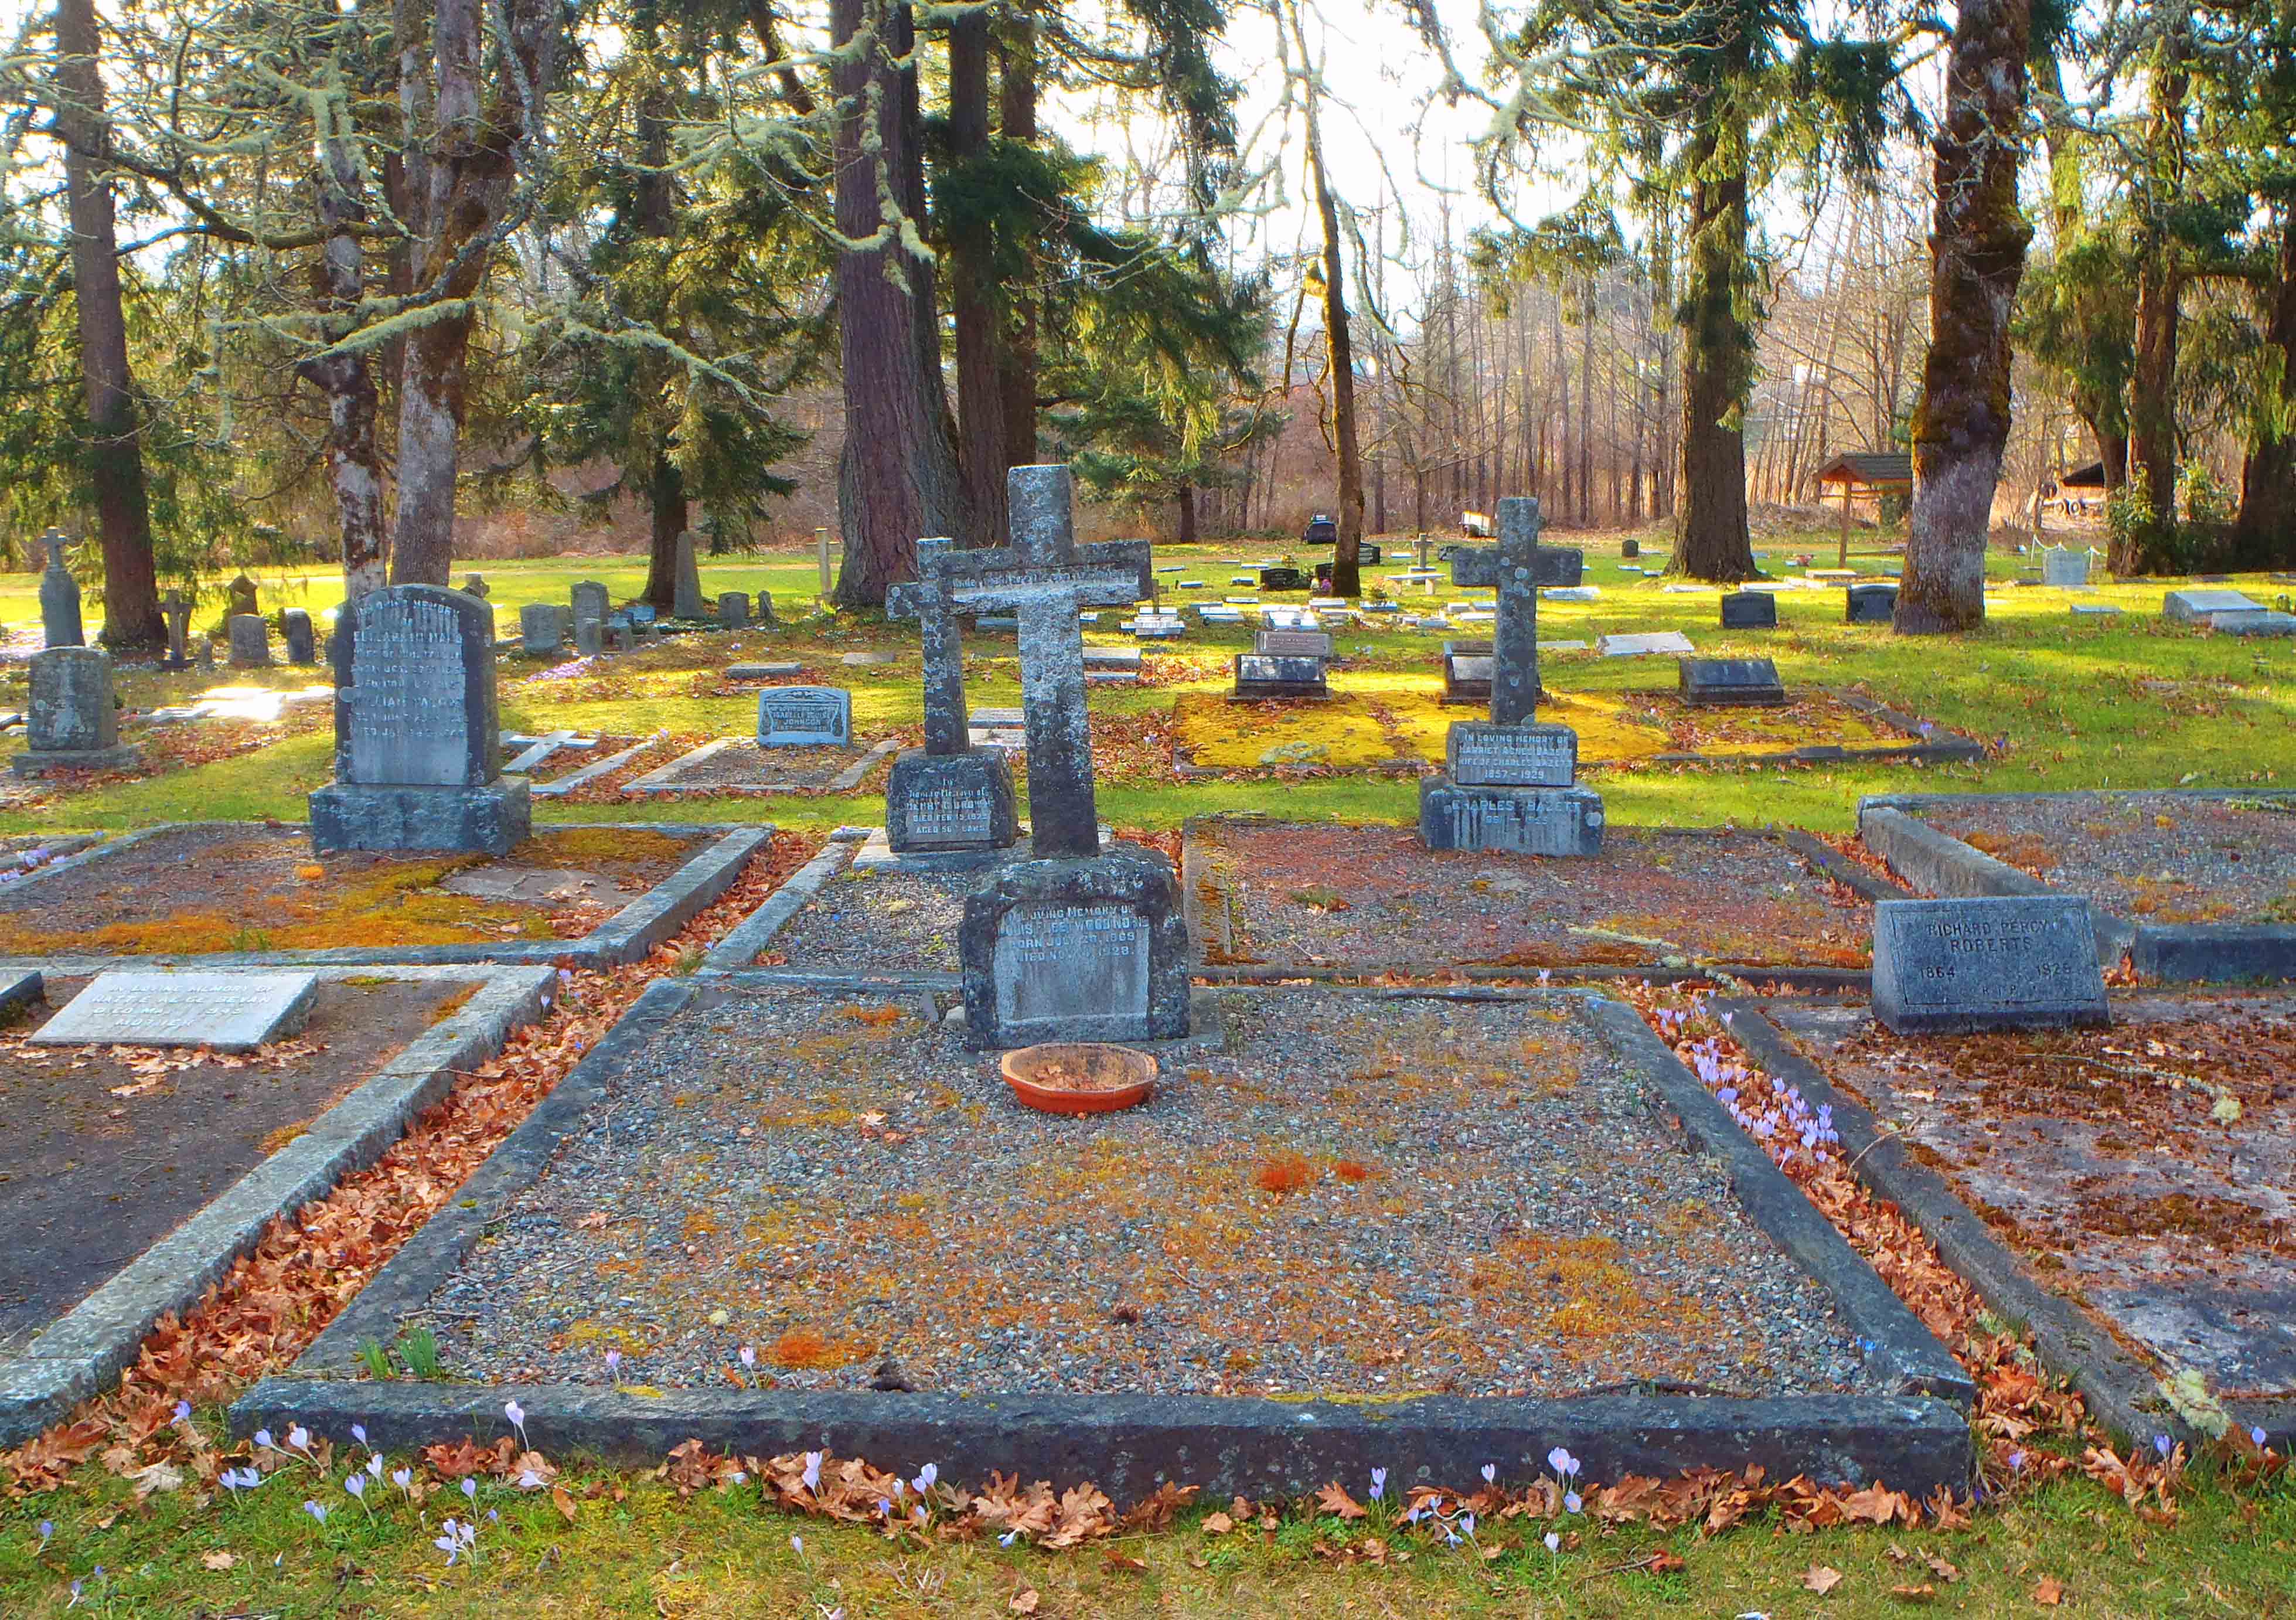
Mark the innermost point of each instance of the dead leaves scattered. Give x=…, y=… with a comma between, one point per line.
x=1821, y=1578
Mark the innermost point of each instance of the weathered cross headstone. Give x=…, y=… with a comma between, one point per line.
x=537, y=630
x=1510, y=782
x=231, y=1012
x=251, y=641
x=946, y=795
x=176, y=613
x=60, y=624
x=805, y=717
x=70, y=723
x=1750, y=609
x=733, y=609
x=1950, y=966
x=418, y=741
x=243, y=597
x=1725, y=682
x=302, y=644
x=685, y=601
x=1081, y=943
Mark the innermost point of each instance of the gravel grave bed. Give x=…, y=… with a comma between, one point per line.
x=880, y=921
x=745, y=766
x=1352, y=1195
x=246, y=886
x=107, y=1150
x=2147, y=1171
x=1351, y=897
x=2151, y=857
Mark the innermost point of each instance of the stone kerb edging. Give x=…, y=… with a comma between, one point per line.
x=625, y=937
x=81, y=1351
x=1939, y=863
x=1917, y=1437
x=742, y=942
x=2121, y=1387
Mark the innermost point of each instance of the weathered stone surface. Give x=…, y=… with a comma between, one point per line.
x=232, y=1012
x=2064, y=568
x=590, y=601
x=475, y=585
x=686, y=587
x=763, y=671
x=1947, y=966
x=1719, y=682
x=1525, y=821
x=1282, y=578
x=492, y=817
x=2263, y=621
x=1869, y=604
x=1467, y=676
x=176, y=613
x=1267, y=674
x=951, y=801
x=927, y=600
x=1293, y=644
x=243, y=596
x=733, y=609
x=537, y=630
x=589, y=638
x=805, y=717
x=2193, y=606
x=1076, y=948
x=302, y=644
x=1486, y=753
x=251, y=641
x=70, y=722
x=61, y=625
x=1750, y=609
x=1641, y=644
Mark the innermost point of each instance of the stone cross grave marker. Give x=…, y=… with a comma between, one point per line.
x=1043, y=579
x=232, y=1012
x=946, y=795
x=1996, y=962
x=175, y=611
x=60, y=624
x=1516, y=567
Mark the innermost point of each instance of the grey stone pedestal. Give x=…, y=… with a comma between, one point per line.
x=38, y=761
x=1076, y=948
x=1524, y=820
x=951, y=801
x=492, y=817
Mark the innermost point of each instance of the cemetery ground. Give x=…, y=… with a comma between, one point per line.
x=888, y=1227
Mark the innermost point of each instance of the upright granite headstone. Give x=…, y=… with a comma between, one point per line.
x=537, y=630
x=243, y=597
x=418, y=743
x=946, y=795
x=1729, y=682
x=589, y=638
x=733, y=609
x=176, y=613
x=1282, y=578
x=2000, y=962
x=1630, y=547
x=805, y=717
x=686, y=588
x=70, y=723
x=251, y=641
x=1279, y=675
x=2196, y=606
x=1870, y=603
x=1750, y=609
x=302, y=645
x=60, y=624
x=591, y=602
x=1080, y=942
x=1510, y=782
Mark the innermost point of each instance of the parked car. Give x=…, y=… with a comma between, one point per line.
x=1321, y=531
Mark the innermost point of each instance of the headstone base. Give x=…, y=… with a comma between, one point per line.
x=1524, y=820
x=1087, y=948
x=360, y=816
x=38, y=761
x=951, y=801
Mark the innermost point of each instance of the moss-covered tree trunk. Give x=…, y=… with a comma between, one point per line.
x=1977, y=257
x=974, y=302
x=1718, y=359
x=1347, y=565
x=2263, y=536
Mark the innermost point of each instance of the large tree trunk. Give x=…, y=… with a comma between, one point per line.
x=653, y=207
x=1347, y=565
x=2159, y=293
x=669, y=514
x=1717, y=366
x=465, y=184
x=2263, y=536
x=898, y=478
x=131, y=594
x=1016, y=359
x=1977, y=257
x=1185, y=503
x=972, y=285
x=344, y=377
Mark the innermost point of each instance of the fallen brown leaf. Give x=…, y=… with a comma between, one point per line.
x=1915, y=1594
x=2048, y=1591
x=1217, y=1523
x=1023, y=1601
x=218, y=1559
x=1821, y=1578
x=563, y=1500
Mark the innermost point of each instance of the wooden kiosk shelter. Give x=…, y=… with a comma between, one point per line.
x=1869, y=471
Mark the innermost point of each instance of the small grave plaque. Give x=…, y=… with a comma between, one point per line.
x=1750, y=609
x=2194, y=605
x=1717, y=682
x=1950, y=966
x=1293, y=644
x=2261, y=622
x=1643, y=644
x=1479, y=754
x=1868, y=604
x=232, y=1012
x=762, y=671
x=805, y=717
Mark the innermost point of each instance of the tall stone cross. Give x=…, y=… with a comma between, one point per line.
x=926, y=599
x=1043, y=579
x=1516, y=567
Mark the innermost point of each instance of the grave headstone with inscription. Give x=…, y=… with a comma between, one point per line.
x=1293, y=644
x=805, y=717
x=251, y=641
x=61, y=625
x=537, y=630
x=1282, y=578
x=1725, y=682
x=1998, y=962
x=734, y=610
x=1510, y=783
x=1750, y=609
x=946, y=795
x=1869, y=604
x=71, y=722
x=230, y=1011
x=418, y=738
x=1080, y=942
x=302, y=644
x=1277, y=675
x=590, y=601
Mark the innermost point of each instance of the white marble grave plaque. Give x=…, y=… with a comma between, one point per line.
x=232, y=1012
x=1056, y=961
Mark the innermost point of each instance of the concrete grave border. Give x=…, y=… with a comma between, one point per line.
x=2187, y=953
x=663, y=779
x=1205, y=927
x=1917, y=1437
x=626, y=936
x=81, y=1351
x=2119, y=1386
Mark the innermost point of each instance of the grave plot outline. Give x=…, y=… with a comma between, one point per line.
x=1917, y=1437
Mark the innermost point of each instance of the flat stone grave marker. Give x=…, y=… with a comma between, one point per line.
x=1750, y=609
x=2094, y=610
x=867, y=660
x=1270, y=675
x=1282, y=578
x=1467, y=674
x=2263, y=621
x=763, y=671
x=1717, y=682
x=1643, y=644
x=805, y=717
x=1293, y=644
x=1572, y=593
x=1869, y=604
x=1112, y=658
x=230, y=1011
x=1954, y=967
x=2194, y=605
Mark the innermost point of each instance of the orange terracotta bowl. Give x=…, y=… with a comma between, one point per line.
x=1079, y=1077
